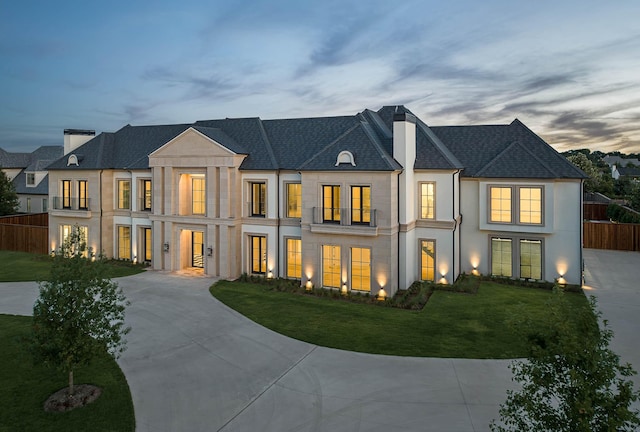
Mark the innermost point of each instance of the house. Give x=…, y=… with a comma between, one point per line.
x=630, y=172
x=366, y=202
x=28, y=173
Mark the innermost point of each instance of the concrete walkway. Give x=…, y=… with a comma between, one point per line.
x=195, y=365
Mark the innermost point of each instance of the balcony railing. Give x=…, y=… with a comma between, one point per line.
x=67, y=203
x=344, y=216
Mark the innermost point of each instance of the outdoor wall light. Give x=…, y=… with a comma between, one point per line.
x=309, y=285
x=382, y=294
x=343, y=291
x=270, y=274
x=166, y=246
x=209, y=251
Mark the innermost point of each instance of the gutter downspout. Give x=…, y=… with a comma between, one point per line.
x=455, y=225
x=101, y=209
x=581, y=222
x=278, y=223
x=398, y=235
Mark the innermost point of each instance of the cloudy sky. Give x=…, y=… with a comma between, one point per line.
x=570, y=70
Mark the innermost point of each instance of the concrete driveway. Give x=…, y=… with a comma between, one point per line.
x=195, y=365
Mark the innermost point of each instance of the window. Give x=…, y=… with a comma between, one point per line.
x=427, y=260
x=331, y=274
x=197, y=248
x=331, y=204
x=361, y=269
x=294, y=200
x=45, y=205
x=427, y=200
x=198, y=196
x=146, y=233
x=258, y=194
x=530, y=205
x=31, y=179
x=294, y=258
x=500, y=204
x=360, y=204
x=66, y=194
x=146, y=195
x=28, y=205
x=258, y=254
x=83, y=200
x=501, y=257
x=67, y=230
x=531, y=259
x=124, y=242
x=124, y=194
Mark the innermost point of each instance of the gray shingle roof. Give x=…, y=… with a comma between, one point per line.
x=313, y=144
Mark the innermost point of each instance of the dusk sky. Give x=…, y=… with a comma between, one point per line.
x=570, y=70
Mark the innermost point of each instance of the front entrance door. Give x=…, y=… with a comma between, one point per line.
x=197, y=248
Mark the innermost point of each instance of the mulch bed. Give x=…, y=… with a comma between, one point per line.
x=83, y=394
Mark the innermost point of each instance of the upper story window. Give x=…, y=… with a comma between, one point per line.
x=427, y=200
x=124, y=194
x=83, y=199
x=31, y=179
x=146, y=195
x=500, y=204
x=258, y=199
x=294, y=200
x=530, y=205
x=524, y=201
x=198, y=195
x=66, y=194
x=331, y=203
x=360, y=204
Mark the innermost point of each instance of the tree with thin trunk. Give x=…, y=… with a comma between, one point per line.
x=571, y=381
x=8, y=198
x=79, y=312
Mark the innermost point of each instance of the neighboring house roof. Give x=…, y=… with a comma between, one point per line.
x=619, y=161
x=38, y=160
x=313, y=144
x=629, y=171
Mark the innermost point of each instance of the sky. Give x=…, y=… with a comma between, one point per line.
x=570, y=70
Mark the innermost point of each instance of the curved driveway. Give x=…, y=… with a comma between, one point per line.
x=193, y=364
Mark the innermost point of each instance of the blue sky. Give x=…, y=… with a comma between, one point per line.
x=570, y=70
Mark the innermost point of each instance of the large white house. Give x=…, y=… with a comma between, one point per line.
x=365, y=202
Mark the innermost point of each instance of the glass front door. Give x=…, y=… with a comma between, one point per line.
x=197, y=247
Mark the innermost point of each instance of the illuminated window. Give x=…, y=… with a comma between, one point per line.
x=427, y=200
x=331, y=273
x=146, y=232
x=361, y=269
x=198, y=196
x=530, y=205
x=197, y=249
x=146, y=195
x=361, y=204
x=258, y=199
x=294, y=258
x=331, y=204
x=531, y=259
x=83, y=195
x=500, y=202
x=65, y=232
x=501, y=257
x=258, y=254
x=294, y=200
x=124, y=242
x=66, y=194
x=427, y=260
x=124, y=194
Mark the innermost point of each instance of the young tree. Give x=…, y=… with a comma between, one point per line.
x=571, y=380
x=8, y=197
x=80, y=311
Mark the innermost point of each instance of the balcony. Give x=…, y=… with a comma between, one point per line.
x=66, y=203
x=345, y=221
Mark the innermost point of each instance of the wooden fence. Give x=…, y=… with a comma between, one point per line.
x=595, y=211
x=615, y=236
x=25, y=233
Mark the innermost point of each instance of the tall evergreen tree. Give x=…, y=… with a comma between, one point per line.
x=8, y=197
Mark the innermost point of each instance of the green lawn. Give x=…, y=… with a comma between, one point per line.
x=22, y=266
x=451, y=324
x=25, y=387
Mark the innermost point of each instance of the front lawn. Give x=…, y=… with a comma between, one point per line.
x=22, y=267
x=26, y=386
x=451, y=324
